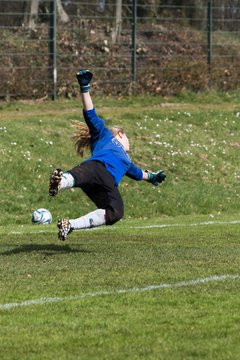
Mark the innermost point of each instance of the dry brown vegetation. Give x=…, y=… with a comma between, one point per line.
x=170, y=59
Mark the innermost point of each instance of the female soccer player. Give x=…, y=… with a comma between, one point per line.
x=99, y=175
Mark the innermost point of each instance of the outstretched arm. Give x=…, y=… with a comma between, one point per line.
x=138, y=174
x=94, y=122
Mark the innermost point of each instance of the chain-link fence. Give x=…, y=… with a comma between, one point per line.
x=154, y=46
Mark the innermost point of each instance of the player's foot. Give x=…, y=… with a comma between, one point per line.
x=64, y=228
x=54, y=183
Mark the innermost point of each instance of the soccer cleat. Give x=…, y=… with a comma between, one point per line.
x=54, y=183
x=64, y=228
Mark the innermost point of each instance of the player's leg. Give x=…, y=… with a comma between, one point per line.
x=90, y=220
x=110, y=208
x=60, y=180
x=99, y=186
x=103, y=216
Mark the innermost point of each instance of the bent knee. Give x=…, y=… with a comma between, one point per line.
x=114, y=215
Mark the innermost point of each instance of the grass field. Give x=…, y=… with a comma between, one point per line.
x=164, y=282
x=91, y=297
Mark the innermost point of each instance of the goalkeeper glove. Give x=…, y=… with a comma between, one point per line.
x=156, y=178
x=84, y=77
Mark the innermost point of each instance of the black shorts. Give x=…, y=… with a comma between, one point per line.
x=99, y=185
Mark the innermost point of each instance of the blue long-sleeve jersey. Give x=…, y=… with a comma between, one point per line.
x=108, y=150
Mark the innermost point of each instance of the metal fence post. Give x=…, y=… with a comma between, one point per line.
x=134, y=25
x=209, y=31
x=53, y=47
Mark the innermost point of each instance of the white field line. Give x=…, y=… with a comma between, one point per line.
x=48, y=300
x=158, y=226
x=206, y=223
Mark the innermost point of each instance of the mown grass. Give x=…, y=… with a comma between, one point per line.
x=198, y=321
x=197, y=144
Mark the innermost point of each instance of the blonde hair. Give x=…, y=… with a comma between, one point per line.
x=82, y=136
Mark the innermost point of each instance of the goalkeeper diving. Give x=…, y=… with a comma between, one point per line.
x=99, y=175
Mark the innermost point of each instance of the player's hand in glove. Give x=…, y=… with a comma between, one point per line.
x=84, y=77
x=156, y=178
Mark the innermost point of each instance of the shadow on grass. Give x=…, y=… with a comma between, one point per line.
x=50, y=249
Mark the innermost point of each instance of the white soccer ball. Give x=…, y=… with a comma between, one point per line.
x=41, y=216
